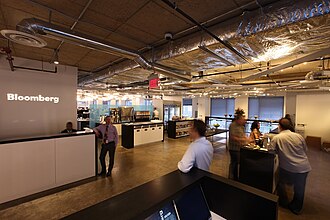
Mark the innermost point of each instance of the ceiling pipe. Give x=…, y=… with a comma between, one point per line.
x=297, y=61
x=36, y=26
x=72, y=26
x=223, y=42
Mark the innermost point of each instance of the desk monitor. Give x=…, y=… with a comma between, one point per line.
x=166, y=213
x=192, y=205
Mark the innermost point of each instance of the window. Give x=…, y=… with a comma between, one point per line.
x=128, y=102
x=220, y=107
x=147, y=102
x=187, y=108
x=106, y=102
x=266, y=108
x=117, y=103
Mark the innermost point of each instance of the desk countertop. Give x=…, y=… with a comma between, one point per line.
x=42, y=137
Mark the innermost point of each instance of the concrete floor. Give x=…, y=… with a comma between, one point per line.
x=144, y=163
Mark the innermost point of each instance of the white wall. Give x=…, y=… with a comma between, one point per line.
x=158, y=103
x=290, y=105
x=21, y=118
x=313, y=110
x=243, y=103
x=203, y=107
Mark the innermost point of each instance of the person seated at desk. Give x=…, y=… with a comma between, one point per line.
x=294, y=165
x=69, y=128
x=200, y=152
x=255, y=134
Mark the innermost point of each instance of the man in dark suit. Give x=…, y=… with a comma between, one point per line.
x=69, y=128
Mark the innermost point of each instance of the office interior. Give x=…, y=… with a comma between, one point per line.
x=153, y=67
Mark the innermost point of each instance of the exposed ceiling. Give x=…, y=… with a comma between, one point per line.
x=267, y=32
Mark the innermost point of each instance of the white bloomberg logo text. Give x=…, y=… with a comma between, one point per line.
x=35, y=98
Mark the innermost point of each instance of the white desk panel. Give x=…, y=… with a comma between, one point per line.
x=26, y=168
x=75, y=158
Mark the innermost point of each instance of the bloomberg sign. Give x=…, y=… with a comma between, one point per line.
x=34, y=98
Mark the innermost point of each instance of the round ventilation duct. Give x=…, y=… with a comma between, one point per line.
x=23, y=38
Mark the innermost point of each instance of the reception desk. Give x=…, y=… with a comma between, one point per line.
x=35, y=164
x=225, y=198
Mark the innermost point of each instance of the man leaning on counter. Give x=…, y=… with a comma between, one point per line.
x=294, y=165
x=109, y=135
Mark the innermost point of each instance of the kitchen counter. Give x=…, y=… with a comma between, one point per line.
x=139, y=133
x=143, y=123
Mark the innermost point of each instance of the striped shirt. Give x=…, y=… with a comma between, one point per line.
x=112, y=133
x=238, y=131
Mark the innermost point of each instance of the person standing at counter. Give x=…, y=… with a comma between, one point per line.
x=156, y=114
x=237, y=140
x=109, y=135
x=200, y=152
x=287, y=116
x=294, y=165
x=255, y=132
x=69, y=128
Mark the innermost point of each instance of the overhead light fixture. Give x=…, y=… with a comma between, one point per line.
x=56, y=62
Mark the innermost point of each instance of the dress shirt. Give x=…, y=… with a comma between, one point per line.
x=199, y=154
x=156, y=114
x=112, y=132
x=238, y=131
x=291, y=148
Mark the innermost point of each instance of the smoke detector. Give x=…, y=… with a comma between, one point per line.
x=23, y=38
x=168, y=36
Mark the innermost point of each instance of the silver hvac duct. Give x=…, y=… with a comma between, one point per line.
x=36, y=26
x=248, y=33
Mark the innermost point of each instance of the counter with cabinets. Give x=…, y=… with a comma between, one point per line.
x=134, y=134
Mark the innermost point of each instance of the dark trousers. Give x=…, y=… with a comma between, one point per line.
x=298, y=181
x=111, y=147
x=234, y=164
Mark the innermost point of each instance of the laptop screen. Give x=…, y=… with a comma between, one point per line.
x=192, y=205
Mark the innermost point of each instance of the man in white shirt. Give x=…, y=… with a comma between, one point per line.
x=156, y=114
x=200, y=152
x=294, y=165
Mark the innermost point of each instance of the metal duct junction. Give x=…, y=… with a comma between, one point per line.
x=35, y=26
